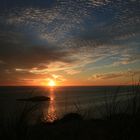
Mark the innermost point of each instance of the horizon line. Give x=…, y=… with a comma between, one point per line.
x=67, y=85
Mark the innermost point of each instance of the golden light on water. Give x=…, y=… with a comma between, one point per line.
x=51, y=112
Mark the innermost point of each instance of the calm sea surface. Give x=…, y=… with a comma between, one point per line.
x=63, y=99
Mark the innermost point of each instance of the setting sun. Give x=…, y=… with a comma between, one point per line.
x=51, y=83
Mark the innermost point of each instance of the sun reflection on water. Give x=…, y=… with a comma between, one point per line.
x=51, y=113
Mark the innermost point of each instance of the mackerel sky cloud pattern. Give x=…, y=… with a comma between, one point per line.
x=74, y=37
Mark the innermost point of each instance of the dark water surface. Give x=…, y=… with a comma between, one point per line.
x=63, y=99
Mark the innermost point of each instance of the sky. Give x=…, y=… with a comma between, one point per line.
x=73, y=42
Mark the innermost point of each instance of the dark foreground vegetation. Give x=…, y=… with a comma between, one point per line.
x=116, y=123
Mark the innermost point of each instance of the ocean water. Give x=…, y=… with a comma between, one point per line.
x=63, y=99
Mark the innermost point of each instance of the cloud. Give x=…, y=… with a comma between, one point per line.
x=57, y=23
x=72, y=71
x=2, y=62
x=24, y=54
x=114, y=75
x=99, y=2
x=58, y=78
x=127, y=59
x=38, y=38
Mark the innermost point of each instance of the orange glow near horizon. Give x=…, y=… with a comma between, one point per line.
x=51, y=83
x=70, y=81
